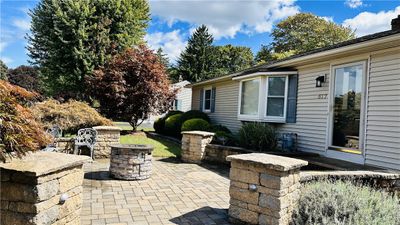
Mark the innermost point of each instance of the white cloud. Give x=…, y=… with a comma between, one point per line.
x=22, y=24
x=225, y=18
x=2, y=46
x=327, y=18
x=354, y=3
x=6, y=60
x=172, y=43
x=368, y=22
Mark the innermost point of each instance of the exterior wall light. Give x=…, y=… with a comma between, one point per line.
x=319, y=80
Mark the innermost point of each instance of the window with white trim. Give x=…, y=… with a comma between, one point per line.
x=276, y=94
x=207, y=100
x=264, y=98
x=249, y=97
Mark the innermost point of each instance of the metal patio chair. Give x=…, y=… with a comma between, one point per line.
x=55, y=132
x=86, y=137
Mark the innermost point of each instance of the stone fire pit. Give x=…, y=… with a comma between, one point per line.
x=131, y=162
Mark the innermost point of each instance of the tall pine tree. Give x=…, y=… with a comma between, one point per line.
x=71, y=38
x=196, y=61
x=3, y=70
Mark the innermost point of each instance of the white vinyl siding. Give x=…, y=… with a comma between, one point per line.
x=226, y=104
x=312, y=112
x=382, y=131
x=383, y=111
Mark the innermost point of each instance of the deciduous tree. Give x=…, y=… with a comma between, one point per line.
x=71, y=38
x=19, y=131
x=133, y=85
x=304, y=32
x=26, y=77
x=3, y=70
x=229, y=59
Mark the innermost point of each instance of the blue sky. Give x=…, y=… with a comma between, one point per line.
x=238, y=22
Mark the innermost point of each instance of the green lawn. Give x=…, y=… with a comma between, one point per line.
x=162, y=148
x=126, y=126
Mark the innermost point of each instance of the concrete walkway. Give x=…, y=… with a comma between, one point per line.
x=177, y=193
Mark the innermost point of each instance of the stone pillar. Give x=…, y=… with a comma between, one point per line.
x=42, y=188
x=264, y=188
x=194, y=144
x=106, y=136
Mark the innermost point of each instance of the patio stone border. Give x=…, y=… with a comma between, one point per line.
x=194, y=144
x=42, y=188
x=264, y=188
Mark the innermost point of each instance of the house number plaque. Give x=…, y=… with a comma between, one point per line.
x=322, y=96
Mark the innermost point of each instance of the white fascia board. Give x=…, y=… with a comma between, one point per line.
x=257, y=74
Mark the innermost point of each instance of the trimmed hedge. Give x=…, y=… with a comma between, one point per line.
x=159, y=124
x=196, y=124
x=172, y=125
x=341, y=202
x=193, y=114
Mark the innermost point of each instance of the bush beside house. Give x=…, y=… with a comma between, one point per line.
x=258, y=136
x=196, y=124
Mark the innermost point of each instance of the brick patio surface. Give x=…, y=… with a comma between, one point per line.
x=177, y=193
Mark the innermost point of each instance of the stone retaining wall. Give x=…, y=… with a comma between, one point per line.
x=31, y=189
x=264, y=188
x=65, y=145
x=218, y=153
x=106, y=136
x=194, y=144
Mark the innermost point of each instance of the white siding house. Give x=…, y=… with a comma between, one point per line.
x=183, y=99
x=352, y=114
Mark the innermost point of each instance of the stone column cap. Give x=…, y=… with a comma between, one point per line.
x=42, y=163
x=274, y=162
x=107, y=128
x=199, y=133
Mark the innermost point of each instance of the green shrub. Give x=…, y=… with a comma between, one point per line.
x=172, y=127
x=341, y=202
x=223, y=135
x=196, y=124
x=70, y=116
x=258, y=136
x=217, y=128
x=193, y=114
x=159, y=124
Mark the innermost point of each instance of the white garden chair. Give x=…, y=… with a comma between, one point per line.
x=86, y=137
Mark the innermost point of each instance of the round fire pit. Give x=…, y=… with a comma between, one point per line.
x=131, y=162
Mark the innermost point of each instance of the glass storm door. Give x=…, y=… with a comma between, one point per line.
x=347, y=108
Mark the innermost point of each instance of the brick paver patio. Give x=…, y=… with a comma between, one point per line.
x=177, y=193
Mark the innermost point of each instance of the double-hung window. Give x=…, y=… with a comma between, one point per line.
x=264, y=98
x=207, y=100
x=276, y=94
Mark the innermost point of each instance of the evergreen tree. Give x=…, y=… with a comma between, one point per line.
x=3, y=70
x=71, y=38
x=163, y=58
x=196, y=61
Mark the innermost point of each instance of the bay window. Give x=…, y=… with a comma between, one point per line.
x=264, y=98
